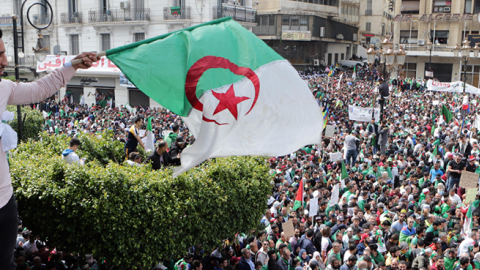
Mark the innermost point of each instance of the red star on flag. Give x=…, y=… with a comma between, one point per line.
x=228, y=101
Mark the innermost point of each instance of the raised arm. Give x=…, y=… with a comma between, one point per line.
x=25, y=93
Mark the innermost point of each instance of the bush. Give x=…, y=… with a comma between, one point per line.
x=33, y=122
x=133, y=216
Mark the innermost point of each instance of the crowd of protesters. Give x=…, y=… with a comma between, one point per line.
x=392, y=203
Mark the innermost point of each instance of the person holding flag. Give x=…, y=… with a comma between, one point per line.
x=12, y=93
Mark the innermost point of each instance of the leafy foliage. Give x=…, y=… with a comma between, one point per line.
x=133, y=216
x=33, y=122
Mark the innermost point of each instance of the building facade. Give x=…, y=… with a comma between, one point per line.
x=98, y=25
x=310, y=33
x=445, y=24
x=375, y=21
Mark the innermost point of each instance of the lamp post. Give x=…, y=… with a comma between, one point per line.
x=463, y=53
x=429, y=72
x=371, y=54
x=40, y=51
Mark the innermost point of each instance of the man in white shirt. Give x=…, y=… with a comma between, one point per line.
x=69, y=154
x=454, y=197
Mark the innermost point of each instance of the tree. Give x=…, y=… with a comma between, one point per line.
x=133, y=216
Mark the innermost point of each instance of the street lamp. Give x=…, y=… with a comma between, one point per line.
x=40, y=51
x=371, y=54
x=476, y=50
x=429, y=72
x=464, y=56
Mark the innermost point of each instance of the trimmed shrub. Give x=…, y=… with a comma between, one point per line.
x=33, y=124
x=133, y=216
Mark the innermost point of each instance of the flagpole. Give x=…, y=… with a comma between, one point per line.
x=79, y=61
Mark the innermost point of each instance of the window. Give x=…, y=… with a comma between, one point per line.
x=138, y=37
x=473, y=75
x=295, y=22
x=369, y=8
x=336, y=58
x=46, y=42
x=410, y=6
x=329, y=59
x=407, y=38
x=368, y=26
x=468, y=6
x=74, y=47
x=441, y=6
x=440, y=36
x=72, y=6
x=476, y=7
x=105, y=42
x=409, y=70
x=342, y=56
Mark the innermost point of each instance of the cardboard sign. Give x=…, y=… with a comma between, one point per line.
x=335, y=156
x=329, y=131
x=288, y=229
x=468, y=180
x=471, y=195
x=313, y=207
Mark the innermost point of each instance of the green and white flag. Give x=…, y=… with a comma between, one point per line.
x=149, y=142
x=467, y=223
x=354, y=75
x=128, y=107
x=234, y=92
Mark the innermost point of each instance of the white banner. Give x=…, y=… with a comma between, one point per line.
x=53, y=62
x=452, y=87
x=361, y=114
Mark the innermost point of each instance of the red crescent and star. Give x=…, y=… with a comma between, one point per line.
x=227, y=101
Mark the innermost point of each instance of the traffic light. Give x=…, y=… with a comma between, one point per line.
x=391, y=5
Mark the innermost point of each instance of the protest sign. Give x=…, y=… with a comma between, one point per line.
x=335, y=195
x=435, y=102
x=329, y=131
x=471, y=195
x=361, y=114
x=288, y=229
x=313, y=207
x=468, y=180
x=335, y=156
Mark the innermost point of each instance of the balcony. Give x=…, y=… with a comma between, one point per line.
x=118, y=15
x=238, y=13
x=355, y=2
x=41, y=19
x=71, y=17
x=176, y=13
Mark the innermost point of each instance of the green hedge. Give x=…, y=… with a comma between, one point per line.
x=33, y=122
x=134, y=216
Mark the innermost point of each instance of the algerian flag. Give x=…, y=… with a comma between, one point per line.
x=344, y=171
x=299, y=197
x=149, y=143
x=57, y=130
x=447, y=115
x=339, y=81
x=231, y=89
x=467, y=223
x=354, y=75
x=128, y=107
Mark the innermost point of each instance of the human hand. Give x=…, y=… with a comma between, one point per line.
x=87, y=60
